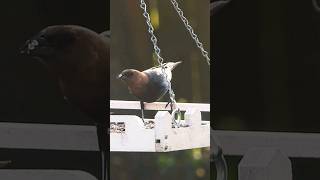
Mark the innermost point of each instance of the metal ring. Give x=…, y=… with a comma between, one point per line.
x=178, y=112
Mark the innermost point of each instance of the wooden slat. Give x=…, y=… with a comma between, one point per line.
x=117, y=104
x=265, y=164
x=302, y=145
x=48, y=136
x=138, y=138
x=38, y=174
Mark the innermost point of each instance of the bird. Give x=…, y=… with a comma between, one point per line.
x=78, y=59
x=149, y=85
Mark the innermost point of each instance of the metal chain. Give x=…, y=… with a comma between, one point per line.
x=191, y=31
x=157, y=49
x=150, y=30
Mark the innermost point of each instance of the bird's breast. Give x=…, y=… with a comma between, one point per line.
x=156, y=87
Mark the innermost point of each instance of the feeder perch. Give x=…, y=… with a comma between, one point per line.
x=129, y=134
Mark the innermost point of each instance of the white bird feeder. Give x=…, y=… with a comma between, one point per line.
x=129, y=134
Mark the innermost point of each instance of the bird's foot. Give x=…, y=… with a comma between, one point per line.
x=171, y=106
x=167, y=105
x=144, y=122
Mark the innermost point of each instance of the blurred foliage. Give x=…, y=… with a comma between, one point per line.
x=132, y=48
x=188, y=164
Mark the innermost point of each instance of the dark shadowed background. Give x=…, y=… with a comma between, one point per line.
x=267, y=71
x=131, y=48
x=26, y=94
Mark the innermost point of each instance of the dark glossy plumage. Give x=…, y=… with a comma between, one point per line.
x=149, y=85
x=78, y=60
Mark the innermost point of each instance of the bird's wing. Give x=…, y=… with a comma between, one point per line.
x=106, y=34
x=154, y=67
x=153, y=70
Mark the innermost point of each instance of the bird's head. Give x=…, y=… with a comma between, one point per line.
x=128, y=75
x=49, y=42
x=67, y=45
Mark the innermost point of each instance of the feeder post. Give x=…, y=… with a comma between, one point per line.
x=193, y=118
x=163, y=125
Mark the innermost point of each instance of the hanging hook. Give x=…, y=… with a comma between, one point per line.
x=174, y=120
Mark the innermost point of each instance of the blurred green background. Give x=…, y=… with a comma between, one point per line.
x=132, y=48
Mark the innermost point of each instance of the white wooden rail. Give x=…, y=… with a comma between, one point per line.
x=266, y=154
x=116, y=104
x=297, y=145
x=48, y=137
x=38, y=174
x=162, y=137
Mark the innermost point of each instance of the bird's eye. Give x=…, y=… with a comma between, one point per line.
x=129, y=74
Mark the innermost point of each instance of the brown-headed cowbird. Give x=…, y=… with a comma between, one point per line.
x=78, y=59
x=149, y=85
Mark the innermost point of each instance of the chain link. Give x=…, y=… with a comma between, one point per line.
x=153, y=38
x=191, y=31
x=157, y=50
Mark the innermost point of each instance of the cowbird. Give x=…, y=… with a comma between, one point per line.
x=149, y=85
x=77, y=59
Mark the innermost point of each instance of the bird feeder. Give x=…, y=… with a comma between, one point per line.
x=128, y=133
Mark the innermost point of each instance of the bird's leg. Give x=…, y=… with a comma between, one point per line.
x=167, y=105
x=168, y=99
x=171, y=106
x=102, y=131
x=142, y=113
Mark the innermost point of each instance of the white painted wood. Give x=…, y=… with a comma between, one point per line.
x=300, y=145
x=265, y=164
x=193, y=117
x=44, y=175
x=135, y=138
x=116, y=104
x=163, y=126
x=163, y=137
x=48, y=136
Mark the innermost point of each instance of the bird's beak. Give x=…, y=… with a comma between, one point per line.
x=174, y=65
x=120, y=76
x=37, y=46
x=29, y=46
